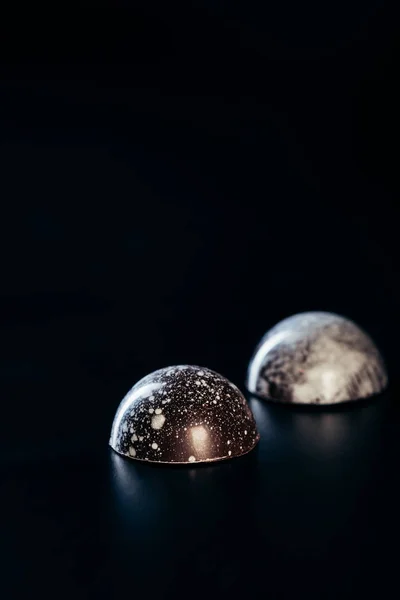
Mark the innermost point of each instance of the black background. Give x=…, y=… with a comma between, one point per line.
x=174, y=181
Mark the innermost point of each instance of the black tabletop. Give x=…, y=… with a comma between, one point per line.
x=169, y=193
x=312, y=511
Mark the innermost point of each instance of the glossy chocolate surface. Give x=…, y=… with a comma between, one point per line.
x=316, y=358
x=183, y=414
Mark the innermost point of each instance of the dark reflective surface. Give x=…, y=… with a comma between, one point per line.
x=312, y=503
x=188, y=526
x=313, y=509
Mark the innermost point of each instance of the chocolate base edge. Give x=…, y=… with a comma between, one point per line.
x=319, y=405
x=187, y=463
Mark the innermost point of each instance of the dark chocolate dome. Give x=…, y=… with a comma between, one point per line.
x=183, y=414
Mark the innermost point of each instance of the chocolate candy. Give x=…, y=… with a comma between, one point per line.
x=183, y=414
x=316, y=358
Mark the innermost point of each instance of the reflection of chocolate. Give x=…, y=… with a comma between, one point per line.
x=183, y=414
x=316, y=358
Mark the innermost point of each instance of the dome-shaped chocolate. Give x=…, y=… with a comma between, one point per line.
x=316, y=358
x=183, y=414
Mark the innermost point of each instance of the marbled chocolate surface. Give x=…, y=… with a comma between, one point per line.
x=183, y=414
x=316, y=358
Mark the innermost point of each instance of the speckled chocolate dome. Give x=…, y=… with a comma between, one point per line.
x=183, y=414
x=316, y=358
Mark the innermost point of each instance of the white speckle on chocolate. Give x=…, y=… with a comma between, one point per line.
x=191, y=426
x=316, y=358
x=132, y=451
x=157, y=421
